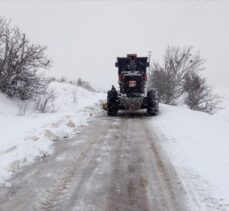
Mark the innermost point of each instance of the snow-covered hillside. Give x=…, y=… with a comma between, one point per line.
x=198, y=146
x=26, y=134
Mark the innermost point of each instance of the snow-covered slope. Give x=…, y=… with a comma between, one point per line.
x=224, y=111
x=26, y=134
x=198, y=145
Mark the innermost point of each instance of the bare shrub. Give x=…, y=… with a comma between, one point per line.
x=199, y=95
x=85, y=85
x=45, y=103
x=74, y=96
x=63, y=80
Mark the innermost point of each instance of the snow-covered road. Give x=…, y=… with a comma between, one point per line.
x=116, y=163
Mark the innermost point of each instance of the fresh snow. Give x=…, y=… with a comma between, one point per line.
x=27, y=135
x=198, y=145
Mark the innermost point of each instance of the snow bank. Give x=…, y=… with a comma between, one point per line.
x=198, y=145
x=27, y=135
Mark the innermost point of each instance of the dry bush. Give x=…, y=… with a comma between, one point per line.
x=199, y=95
x=46, y=102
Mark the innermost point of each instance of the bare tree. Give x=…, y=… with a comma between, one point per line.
x=168, y=78
x=19, y=63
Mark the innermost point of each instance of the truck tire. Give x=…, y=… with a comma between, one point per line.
x=152, y=103
x=112, y=104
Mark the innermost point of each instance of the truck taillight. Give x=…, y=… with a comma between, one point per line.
x=120, y=77
x=145, y=77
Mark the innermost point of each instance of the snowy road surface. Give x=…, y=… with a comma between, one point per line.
x=116, y=163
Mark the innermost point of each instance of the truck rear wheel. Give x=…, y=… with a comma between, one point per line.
x=152, y=103
x=112, y=104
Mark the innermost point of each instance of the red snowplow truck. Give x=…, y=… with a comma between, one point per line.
x=132, y=94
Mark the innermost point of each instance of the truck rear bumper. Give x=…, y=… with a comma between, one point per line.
x=133, y=103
